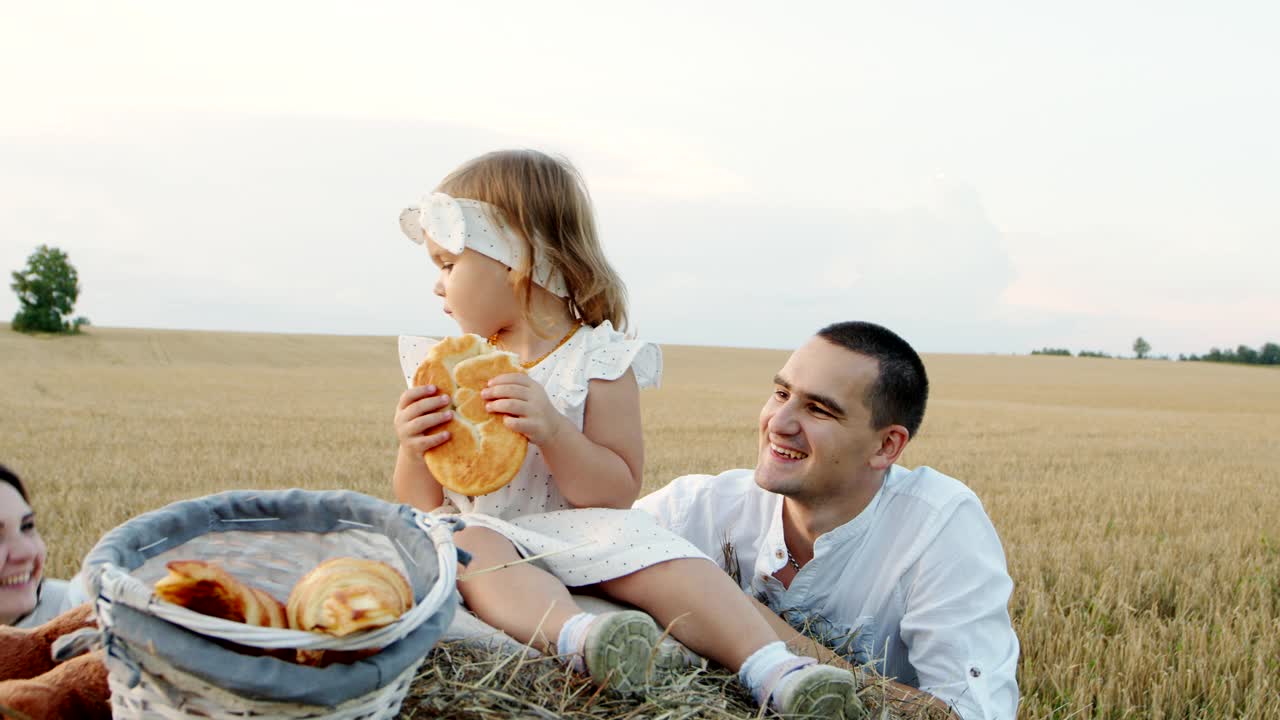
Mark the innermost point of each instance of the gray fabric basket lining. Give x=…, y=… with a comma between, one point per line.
x=162, y=533
x=273, y=561
x=267, y=678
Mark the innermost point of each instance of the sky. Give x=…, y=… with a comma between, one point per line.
x=981, y=177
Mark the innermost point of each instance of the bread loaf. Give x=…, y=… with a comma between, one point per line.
x=482, y=453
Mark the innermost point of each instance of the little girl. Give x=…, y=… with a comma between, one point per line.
x=514, y=238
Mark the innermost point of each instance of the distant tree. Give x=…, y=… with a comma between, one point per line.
x=1270, y=354
x=1246, y=355
x=1052, y=351
x=47, y=290
x=1092, y=354
x=1141, y=347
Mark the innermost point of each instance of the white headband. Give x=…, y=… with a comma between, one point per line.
x=455, y=225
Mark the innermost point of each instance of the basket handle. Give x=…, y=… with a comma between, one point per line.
x=118, y=586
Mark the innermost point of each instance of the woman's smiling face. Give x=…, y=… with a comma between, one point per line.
x=22, y=554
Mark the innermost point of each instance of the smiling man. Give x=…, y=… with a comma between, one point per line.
x=896, y=568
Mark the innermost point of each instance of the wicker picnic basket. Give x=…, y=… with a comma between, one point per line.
x=165, y=661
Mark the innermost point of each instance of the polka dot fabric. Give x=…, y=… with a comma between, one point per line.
x=590, y=544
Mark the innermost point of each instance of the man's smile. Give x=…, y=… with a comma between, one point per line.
x=787, y=453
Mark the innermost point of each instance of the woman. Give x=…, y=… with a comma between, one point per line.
x=31, y=681
x=27, y=599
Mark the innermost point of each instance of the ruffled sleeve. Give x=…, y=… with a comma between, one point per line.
x=413, y=350
x=599, y=353
x=609, y=353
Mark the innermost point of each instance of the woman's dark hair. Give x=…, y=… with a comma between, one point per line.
x=8, y=476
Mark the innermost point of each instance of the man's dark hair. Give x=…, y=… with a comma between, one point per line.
x=899, y=394
x=8, y=476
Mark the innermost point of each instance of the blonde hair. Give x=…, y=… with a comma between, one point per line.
x=545, y=200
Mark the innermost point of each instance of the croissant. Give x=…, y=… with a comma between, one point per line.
x=346, y=595
x=208, y=589
x=482, y=453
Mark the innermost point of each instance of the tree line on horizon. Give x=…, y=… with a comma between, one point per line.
x=1067, y=353
x=1268, y=354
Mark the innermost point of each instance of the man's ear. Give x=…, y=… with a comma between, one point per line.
x=893, y=440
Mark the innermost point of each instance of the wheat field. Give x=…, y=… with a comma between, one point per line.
x=1138, y=501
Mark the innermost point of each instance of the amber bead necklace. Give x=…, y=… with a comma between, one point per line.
x=493, y=340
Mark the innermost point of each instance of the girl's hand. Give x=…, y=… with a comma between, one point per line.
x=420, y=411
x=531, y=411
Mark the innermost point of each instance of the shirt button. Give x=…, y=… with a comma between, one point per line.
x=975, y=672
x=777, y=554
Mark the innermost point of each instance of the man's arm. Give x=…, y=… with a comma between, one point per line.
x=907, y=701
x=956, y=622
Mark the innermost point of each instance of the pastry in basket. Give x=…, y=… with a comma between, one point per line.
x=208, y=589
x=346, y=595
x=482, y=453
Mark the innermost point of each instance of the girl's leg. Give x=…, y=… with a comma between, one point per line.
x=534, y=607
x=526, y=602
x=702, y=606
x=710, y=614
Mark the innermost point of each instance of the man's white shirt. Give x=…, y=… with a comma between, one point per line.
x=916, y=583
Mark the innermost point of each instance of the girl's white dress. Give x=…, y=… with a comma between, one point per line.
x=587, y=545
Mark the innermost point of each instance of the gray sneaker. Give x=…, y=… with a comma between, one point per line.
x=618, y=649
x=820, y=691
x=673, y=658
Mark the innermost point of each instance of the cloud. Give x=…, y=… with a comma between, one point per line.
x=1184, y=293
x=287, y=224
x=754, y=274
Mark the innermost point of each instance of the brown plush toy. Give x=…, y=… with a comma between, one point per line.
x=33, y=686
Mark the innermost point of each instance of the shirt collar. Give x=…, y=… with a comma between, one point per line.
x=774, y=551
x=853, y=530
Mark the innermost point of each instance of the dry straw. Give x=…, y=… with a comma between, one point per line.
x=463, y=682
